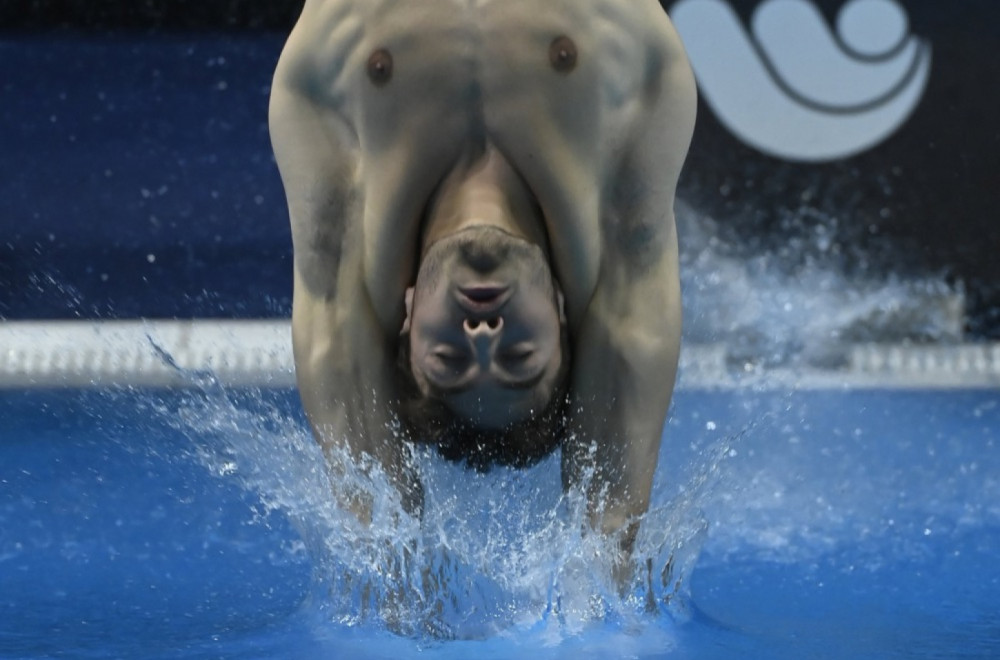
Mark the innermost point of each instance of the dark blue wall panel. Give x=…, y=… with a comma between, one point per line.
x=136, y=176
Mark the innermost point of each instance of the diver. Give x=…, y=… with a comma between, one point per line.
x=485, y=254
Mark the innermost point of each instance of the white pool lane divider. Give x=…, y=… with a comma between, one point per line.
x=145, y=353
x=258, y=353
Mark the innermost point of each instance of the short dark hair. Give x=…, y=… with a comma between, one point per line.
x=428, y=420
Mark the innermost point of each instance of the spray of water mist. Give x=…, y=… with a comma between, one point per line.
x=501, y=553
x=797, y=302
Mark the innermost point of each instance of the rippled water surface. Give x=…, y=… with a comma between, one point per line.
x=203, y=524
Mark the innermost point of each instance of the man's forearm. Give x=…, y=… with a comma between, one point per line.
x=624, y=370
x=344, y=371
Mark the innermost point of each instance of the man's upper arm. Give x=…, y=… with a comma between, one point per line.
x=638, y=225
x=316, y=155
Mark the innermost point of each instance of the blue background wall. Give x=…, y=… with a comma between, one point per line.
x=136, y=177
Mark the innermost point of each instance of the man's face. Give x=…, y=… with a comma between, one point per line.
x=484, y=323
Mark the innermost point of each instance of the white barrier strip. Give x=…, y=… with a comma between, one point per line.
x=140, y=353
x=965, y=365
x=259, y=353
x=875, y=366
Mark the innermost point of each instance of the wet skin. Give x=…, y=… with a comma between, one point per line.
x=402, y=129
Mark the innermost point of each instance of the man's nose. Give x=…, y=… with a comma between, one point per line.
x=483, y=334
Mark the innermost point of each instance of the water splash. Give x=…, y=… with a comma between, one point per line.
x=502, y=554
x=797, y=303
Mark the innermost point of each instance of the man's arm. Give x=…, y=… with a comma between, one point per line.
x=343, y=355
x=627, y=344
x=344, y=369
x=625, y=362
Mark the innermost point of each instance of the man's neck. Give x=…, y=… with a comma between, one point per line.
x=484, y=190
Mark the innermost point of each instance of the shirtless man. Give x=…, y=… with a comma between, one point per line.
x=481, y=195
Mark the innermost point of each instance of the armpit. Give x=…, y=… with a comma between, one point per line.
x=321, y=242
x=632, y=223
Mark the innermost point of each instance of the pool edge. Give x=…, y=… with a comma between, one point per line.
x=258, y=353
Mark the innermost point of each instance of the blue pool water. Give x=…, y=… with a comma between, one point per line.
x=189, y=523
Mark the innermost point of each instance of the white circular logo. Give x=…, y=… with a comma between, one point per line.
x=793, y=88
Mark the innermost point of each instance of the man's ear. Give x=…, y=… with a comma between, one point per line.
x=408, y=302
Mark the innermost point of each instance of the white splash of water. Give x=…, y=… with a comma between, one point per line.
x=504, y=553
x=796, y=304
